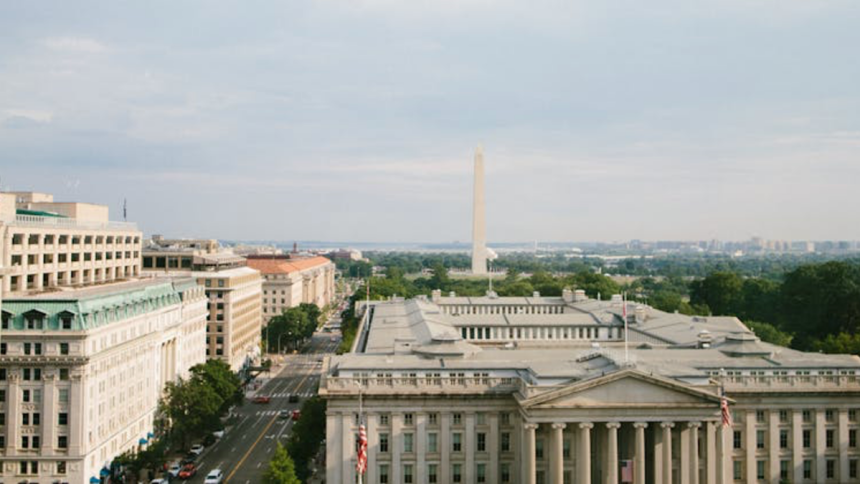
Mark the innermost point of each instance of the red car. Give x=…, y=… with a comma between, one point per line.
x=296, y=415
x=188, y=471
x=262, y=399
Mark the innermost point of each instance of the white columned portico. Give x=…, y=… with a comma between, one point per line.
x=557, y=458
x=667, y=451
x=583, y=460
x=612, y=452
x=529, y=463
x=639, y=463
x=724, y=455
x=693, y=478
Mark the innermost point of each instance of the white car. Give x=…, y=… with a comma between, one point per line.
x=218, y=434
x=158, y=481
x=174, y=469
x=196, y=449
x=214, y=477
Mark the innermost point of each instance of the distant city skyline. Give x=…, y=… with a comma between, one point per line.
x=356, y=120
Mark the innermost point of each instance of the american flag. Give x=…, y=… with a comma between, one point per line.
x=627, y=471
x=724, y=410
x=361, y=465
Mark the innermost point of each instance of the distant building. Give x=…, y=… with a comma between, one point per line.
x=289, y=281
x=233, y=289
x=345, y=254
x=47, y=244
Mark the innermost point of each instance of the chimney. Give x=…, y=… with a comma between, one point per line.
x=704, y=339
x=436, y=295
x=536, y=294
x=567, y=295
x=452, y=294
x=617, y=300
x=579, y=295
x=641, y=313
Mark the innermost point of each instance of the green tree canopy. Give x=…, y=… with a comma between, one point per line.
x=281, y=469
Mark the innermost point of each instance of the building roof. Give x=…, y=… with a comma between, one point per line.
x=275, y=265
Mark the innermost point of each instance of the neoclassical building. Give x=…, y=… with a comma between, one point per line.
x=289, y=281
x=543, y=390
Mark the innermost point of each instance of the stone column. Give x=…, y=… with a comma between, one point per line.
x=711, y=453
x=583, y=459
x=820, y=446
x=49, y=415
x=333, y=452
x=445, y=447
x=639, y=463
x=349, y=436
x=724, y=454
x=694, y=451
x=13, y=412
x=750, y=447
x=395, y=445
x=372, y=420
x=773, y=446
x=612, y=452
x=797, y=444
x=469, y=441
x=529, y=461
x=556, y=461
x=842, y=434
x=419, y=441
x=667, y=451
x=76, y=414
x=493, y=448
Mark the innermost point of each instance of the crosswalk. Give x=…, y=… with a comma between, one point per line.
x=267, y=413
x=287, y=394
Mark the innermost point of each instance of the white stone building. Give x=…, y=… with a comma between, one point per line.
x=82, y=370
x=290, y=281
x=541, y=390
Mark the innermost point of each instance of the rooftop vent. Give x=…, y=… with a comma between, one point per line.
x=452, y=294
x=536, y=294
x=579, y=295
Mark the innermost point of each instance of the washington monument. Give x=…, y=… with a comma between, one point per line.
x=479, y=229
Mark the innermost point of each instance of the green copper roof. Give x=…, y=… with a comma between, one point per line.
x=38, y=213
x=90, y=308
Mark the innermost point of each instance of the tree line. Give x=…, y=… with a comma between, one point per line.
x=291, y=328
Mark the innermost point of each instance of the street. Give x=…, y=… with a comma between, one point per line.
x=244, y=452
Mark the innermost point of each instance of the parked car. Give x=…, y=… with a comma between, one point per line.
x=188, y=471
x=159, y=481
x=218, y=434
x=196, y=449
x=262, y=399
x=215, y=476
x=174, y=469
x=293, y=398
x=297, y=414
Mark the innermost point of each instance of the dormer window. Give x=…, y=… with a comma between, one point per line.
x=6, y=320
x=66, y=319
x=35, y=320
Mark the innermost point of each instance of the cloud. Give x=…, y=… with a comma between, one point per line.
x=20, y=117
x=75, y=44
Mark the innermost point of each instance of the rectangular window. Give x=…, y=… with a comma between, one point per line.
x=64, y=374
x=36, y=441
x=737, y=439
x=829, y=416
x=25, y=442
x=828, y=438
x=481, y=472
x=432, y=442
x=783, y=439
x=539, y=448
x=760, y=416
x=407, y=442
x=383, y=420
x=61, y=467
x=737, y=470
x=759, y=469
x=506, y=472
x=830, y=467
x=852, y=438
x=432, y=419
x=383, y=443
x=807, y=438
x=482, y=442
x=456, y=442
x=807, y=416
x=458, y=418
x=64, y=395
x=784, y=466
x=407, y=474
x=64, y=348
x=408, y=419
x=852, y=468
x=383, y=474
x=36, y=418
x=807, y=469
x=63, y=419
x=432, y=473
x=759, y=439
x=457, y=473
x=506, y=442
x=783, y=416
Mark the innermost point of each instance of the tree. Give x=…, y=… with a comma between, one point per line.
x=769, y=333
x=192, y=407
x=281, y=469
x=720, y=291
x=221, y=379
x=304, y=442
x=842, y=343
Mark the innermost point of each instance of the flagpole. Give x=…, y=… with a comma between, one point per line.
x=360, y=423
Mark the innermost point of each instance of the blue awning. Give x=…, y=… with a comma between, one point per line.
x=142, y=441
x=150, y=435
x=95, y=480
x=104, y=472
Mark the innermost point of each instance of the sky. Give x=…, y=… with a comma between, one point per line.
x=357, y=120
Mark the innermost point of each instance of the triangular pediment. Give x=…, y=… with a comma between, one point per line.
x=626, y=388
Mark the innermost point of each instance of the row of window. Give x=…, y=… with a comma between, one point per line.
x=35, y=442
x=33, y=349
x=433, y=419
x=785, y=469
x=408, y=473
x=33, y=374
x=528, y=332
x=62, y=239
x=408, y=440
x=35, y=395
x=785, y=439
x=64, y=257
x=830, y=415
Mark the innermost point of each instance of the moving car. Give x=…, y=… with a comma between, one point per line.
x=196, y=449
x=297, y=414
x=262, y=399
x=158, y=481
x=284, y=414
x=214, y=477
x=293, y=398
x=174, y=469
x=188, y=471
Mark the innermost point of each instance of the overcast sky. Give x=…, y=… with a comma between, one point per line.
x=356, y=120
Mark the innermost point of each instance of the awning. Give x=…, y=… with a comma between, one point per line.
x=150, y=435
x=104, y=472
x=142, y=441
x=95, y=480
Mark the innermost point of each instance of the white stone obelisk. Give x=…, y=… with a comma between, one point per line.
x=479, y=229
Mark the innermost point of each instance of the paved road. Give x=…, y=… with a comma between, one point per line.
x=244, y=452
